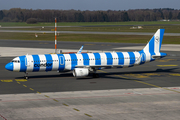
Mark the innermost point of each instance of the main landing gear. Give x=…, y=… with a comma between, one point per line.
x=95, y=75
x=26, y=76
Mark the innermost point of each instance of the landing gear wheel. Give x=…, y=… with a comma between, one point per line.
x=26, y=76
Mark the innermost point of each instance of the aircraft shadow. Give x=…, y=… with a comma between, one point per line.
x=101, y=75
x=112, y=75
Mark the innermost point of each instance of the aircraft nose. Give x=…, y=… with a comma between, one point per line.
x=9, y=66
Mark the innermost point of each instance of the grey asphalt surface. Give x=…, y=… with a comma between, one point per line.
x=64, y=44
x=129, y=94
x=55, y=82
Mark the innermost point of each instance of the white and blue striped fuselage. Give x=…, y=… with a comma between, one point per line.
x=64, y=62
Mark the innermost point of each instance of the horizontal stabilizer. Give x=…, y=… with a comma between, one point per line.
x=156, y=56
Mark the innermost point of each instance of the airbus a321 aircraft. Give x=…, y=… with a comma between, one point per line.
x=84, y=63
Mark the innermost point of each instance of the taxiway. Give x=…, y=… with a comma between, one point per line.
x=150, y=91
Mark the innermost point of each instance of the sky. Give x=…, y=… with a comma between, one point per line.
x=89, y=4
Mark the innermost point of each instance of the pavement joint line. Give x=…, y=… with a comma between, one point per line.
x=76, y=109
x=87, y=115
x=143, y=82
x=3, y=117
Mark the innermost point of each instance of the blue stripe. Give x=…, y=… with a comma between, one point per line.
x=73, y=61
x=61, y=61
x=161, y=37
x=97, y=58
x=143, y=57
x=109, y=58
x=121, y=58
x=49, y=62
x=36, y=63
x=86, y=58
x=23, y=67
x=151, y=45
x=132, y=58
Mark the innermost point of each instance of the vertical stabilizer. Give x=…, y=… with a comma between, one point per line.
x=154, y=44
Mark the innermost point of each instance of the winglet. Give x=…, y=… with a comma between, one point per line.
x=80, y=50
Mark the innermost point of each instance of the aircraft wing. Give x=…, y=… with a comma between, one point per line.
x=97, y=66
x=156, y=56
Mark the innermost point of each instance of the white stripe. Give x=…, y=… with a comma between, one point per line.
x=115, y=61
x=68, y=63
x=80, y=59
x=42, y=61
x=148, y=56
x=156, y=42
x=31, y=66
x=146, y=49
x=16, y=66
x=55, y=61
x=103, y=59
x=92, y=59
x=126, y=58
x=137, y=55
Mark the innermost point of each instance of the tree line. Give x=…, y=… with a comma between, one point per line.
x=22, y=15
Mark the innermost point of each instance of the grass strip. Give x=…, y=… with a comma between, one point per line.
x=88, y=38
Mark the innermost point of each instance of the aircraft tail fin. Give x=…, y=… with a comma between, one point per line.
x=154, y=44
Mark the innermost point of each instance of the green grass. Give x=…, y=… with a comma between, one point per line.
x=87, y=23
x=94, y=38
x=89, y=38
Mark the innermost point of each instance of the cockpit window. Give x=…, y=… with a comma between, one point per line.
x=15, y=61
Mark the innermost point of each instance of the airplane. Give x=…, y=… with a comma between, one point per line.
x=82, y=64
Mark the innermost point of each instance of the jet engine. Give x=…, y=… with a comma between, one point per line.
x=80, y=72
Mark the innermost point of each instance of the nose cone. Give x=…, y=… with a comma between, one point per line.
x=9, y=66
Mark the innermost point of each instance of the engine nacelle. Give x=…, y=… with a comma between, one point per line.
x=80, y=72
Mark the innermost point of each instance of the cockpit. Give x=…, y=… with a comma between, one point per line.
x=15, y=61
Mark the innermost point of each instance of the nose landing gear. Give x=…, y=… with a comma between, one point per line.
x=26, y=76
